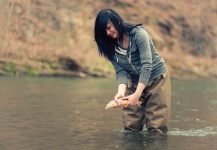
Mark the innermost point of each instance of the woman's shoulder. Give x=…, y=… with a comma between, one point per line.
x=139, y=30
x=135, y=29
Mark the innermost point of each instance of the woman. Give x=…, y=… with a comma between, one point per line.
x=141, y=72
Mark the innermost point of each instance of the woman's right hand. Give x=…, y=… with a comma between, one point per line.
x=118, y=100
x=120, y=94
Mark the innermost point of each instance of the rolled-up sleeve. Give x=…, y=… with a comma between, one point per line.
x=143, y=43
x=121, y=74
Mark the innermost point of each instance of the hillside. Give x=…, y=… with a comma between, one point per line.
x=55, y=37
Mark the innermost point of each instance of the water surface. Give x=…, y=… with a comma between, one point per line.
x=67, y=113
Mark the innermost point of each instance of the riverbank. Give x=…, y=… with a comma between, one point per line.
x=180, y=67
x=55, y=38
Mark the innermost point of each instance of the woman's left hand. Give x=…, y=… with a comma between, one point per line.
x=132, y=99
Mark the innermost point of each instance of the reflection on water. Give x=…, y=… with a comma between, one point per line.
x=144, y=141
x=67, y=113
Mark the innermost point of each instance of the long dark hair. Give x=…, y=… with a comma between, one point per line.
x=106, y=44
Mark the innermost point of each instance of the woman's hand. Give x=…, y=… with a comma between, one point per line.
x=120, y=94
x=132, y=99
x=118, y=100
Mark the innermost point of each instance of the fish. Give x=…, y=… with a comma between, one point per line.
x=113, y=104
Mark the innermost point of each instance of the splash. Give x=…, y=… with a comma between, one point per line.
x=194, y=132
x=178, y=132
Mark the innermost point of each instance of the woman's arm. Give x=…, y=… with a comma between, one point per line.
x=144, y=46
x=122, y=79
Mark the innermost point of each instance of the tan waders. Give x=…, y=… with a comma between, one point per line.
x=154, y=112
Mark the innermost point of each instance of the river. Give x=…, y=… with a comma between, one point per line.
x=67, y=113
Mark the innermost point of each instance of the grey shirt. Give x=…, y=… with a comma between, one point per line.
x=140, y=62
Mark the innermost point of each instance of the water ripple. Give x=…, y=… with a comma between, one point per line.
x=194, y=132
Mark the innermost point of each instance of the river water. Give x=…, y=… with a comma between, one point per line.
x=67, y=113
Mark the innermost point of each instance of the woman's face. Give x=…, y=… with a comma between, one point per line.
x=111, y=31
